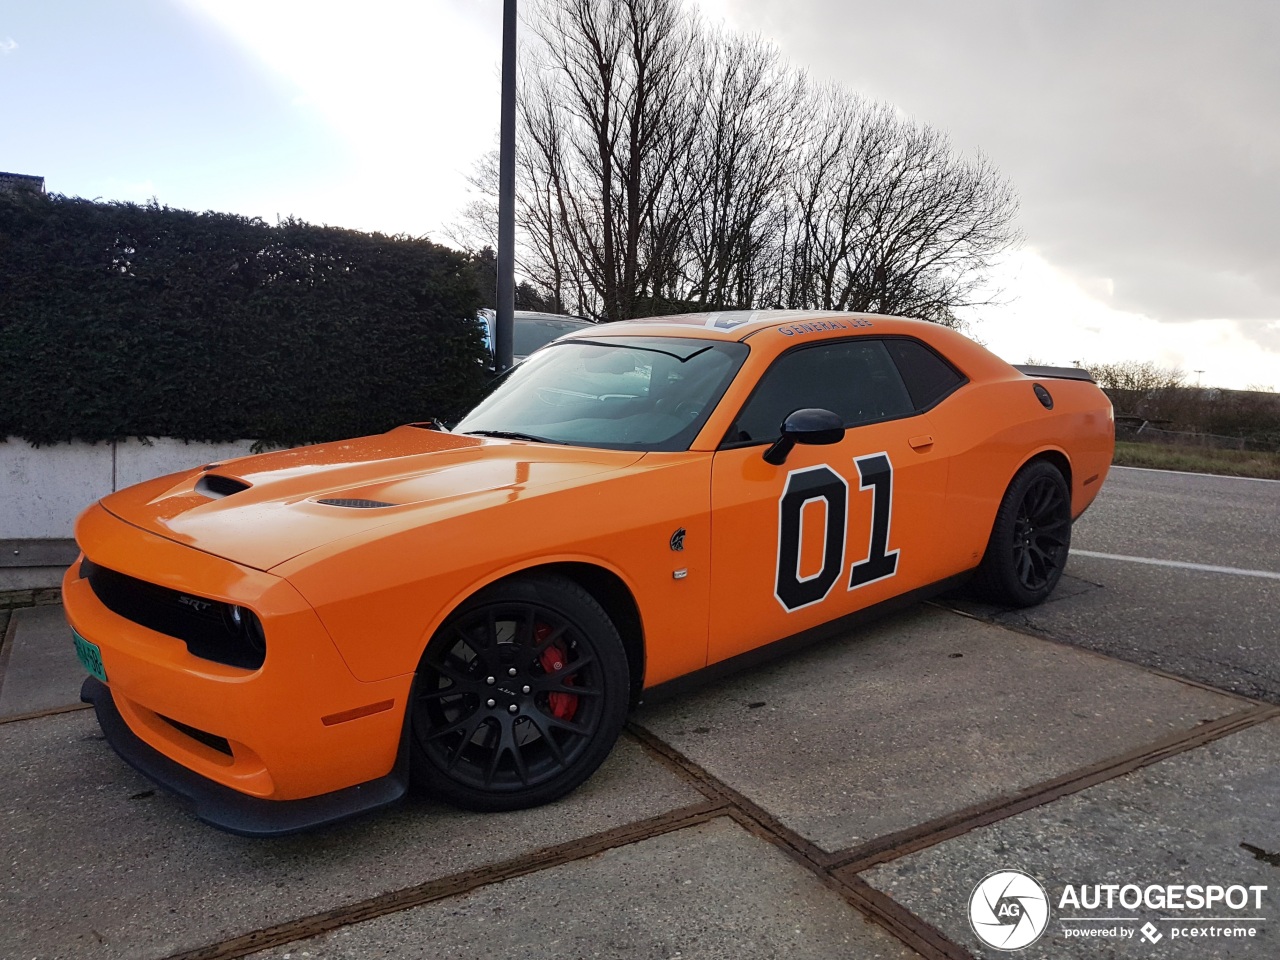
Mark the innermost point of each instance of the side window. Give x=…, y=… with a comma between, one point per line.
x=856, y=379
x=928, y=377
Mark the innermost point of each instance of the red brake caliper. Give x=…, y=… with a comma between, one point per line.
x=563, y=705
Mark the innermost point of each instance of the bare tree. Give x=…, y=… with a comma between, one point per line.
x=741, y=157
x=663, y=166
x=612, y=117
x=887, y=218
x=828, y=192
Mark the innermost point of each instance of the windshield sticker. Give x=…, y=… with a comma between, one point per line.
x=727, y=321
x=822, y=326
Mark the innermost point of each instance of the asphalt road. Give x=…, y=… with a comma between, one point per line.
x=1214, y=626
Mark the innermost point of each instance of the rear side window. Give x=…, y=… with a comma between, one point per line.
x=927, y=376
x=855, y=379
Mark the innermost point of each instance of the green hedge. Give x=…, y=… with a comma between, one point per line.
x=121, y=320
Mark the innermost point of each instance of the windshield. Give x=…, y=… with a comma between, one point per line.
x=622, y=393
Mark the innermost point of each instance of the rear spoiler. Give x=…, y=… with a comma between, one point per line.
x=1055, y=373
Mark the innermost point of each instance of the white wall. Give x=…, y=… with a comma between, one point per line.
x=44, y=489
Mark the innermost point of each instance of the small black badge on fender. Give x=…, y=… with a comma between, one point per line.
x=677, y=540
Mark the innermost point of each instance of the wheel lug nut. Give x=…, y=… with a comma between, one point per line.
x=511, y=672
x=489, y=680
x=525, y=689
x=492, y=703
x=512, y=709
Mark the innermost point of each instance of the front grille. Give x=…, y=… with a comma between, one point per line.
x=211, y=740
x=209, y=628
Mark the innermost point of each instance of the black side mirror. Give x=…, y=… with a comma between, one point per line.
x=812, y=425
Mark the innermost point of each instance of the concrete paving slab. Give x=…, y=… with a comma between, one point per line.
x=41, y=672
x=922, y=715
x=710, y=891
x=1184, y=820
x=102, y=865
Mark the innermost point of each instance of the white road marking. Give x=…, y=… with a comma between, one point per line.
x=1265, y=574
x=1188, y=473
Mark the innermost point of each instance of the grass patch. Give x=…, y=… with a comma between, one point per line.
x=1231, y=463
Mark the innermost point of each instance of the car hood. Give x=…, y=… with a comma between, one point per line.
x=263, y=510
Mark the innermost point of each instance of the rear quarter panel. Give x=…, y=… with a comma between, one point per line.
x=990, y=429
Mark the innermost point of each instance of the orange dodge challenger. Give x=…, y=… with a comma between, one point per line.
x=288, y=639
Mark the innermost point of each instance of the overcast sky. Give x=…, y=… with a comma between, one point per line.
x=1143, y=137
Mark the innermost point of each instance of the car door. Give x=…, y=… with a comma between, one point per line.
x=834, y=528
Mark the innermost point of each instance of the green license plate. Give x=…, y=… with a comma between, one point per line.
x=90, y=656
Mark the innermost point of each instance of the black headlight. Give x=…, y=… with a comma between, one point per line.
x=244, y=624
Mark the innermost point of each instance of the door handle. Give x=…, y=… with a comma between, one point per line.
x=921, y=443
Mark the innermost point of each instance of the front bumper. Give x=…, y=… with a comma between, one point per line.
x=300, y=729
x=228, y=809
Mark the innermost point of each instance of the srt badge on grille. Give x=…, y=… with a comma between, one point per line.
x=194, y=603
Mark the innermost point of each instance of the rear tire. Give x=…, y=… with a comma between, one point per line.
x=520, y=696
x=1030, y=540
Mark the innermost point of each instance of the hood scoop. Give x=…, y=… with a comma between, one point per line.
x=354, y=503
x=215, y=487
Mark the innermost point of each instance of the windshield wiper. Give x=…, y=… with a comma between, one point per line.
x=504, y=435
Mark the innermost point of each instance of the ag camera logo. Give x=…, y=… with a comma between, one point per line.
x=1008, y=910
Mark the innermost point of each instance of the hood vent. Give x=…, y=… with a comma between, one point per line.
x=356, y=504
x=216, y=487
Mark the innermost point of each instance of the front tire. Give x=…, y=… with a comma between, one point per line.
x=1030, y=540
x=520, y=696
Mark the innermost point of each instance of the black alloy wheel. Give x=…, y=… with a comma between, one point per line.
x=1031, y=538
x=520, y=696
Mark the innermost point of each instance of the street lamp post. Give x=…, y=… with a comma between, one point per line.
x=506, y=305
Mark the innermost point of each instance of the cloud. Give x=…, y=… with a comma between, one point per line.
x=8, y=45
x=411, y=88
x=1051, y=315
x=1140, y=135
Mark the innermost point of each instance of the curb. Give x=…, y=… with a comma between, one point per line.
x=34, y=597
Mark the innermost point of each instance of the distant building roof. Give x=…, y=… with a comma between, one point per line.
x=13, y=182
